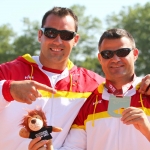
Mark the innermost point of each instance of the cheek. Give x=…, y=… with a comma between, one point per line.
x=100, y=59
x=104, y=65
x=29, y=120
x=68, y=46
x=44, y=41
x=104, y=62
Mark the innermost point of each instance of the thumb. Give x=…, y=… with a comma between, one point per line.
x=44, y=87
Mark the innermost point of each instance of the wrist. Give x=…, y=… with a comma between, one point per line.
x=6, y=91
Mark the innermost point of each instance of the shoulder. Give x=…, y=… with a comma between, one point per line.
x=10, y=63
x=88, y=74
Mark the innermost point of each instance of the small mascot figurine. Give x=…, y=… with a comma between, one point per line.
x=35, y=125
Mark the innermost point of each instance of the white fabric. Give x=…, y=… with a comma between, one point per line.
x=107, y=133
x=56, y=113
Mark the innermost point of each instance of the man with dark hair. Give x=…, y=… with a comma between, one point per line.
x=115, y=116
x=31, y=79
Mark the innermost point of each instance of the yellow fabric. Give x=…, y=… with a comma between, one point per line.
x=28, y=58
x=65, y=94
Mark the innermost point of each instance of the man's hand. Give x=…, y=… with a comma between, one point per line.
x=145, y=85
x=37, y=143
x=138, y=118
x=27, y=91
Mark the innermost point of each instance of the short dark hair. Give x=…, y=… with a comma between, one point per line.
x=116, y=34
x=61, y=12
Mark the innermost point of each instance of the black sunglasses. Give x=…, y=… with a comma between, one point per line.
x=53, y=33
x=122, y=52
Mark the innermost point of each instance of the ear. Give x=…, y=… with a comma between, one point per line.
x=76, y=39
x=99, y=58
x=40, y=33
x=24, y=133
x=135, y=53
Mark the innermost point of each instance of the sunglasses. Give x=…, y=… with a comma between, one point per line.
x=53, y=33
x=123, y=52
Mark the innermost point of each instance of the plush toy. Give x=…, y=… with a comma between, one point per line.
x=35, y=125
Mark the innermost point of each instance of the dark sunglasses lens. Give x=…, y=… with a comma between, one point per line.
x=53, y=33
x=66, y=35
x=123, y=52
x=50, y=33
x=107, y=54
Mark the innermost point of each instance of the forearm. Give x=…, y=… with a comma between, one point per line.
x=146, y=132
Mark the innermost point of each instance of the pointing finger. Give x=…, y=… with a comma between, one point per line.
x=44, y=87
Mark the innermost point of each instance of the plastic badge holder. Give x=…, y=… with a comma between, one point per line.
x=117, y=103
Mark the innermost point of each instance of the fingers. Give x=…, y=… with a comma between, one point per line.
x=34, y=93
x=35, y=144
x=132, y=119
x=44, y=87
x=27, y=91
x=132, y=115
x=145, y=85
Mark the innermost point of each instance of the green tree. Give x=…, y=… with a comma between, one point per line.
x=135, y=20
x=12, y=46
x=6, y=37
x=28, y=41
x=85, y=53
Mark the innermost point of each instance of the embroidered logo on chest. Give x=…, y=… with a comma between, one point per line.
x=28, y=77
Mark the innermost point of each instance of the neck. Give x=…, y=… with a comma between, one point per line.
x=120, y=82
x=53, y=65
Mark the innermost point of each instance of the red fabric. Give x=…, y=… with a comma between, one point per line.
x=79, y=79
x=6, y=91
x=52, y=70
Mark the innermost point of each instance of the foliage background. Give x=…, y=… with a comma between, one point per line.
x=135, y=19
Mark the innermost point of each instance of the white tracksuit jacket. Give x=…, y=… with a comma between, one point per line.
x=73, y=86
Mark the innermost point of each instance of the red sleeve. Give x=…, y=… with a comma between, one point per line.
x=6, y=91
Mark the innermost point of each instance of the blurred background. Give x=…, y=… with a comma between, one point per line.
x=20, y=21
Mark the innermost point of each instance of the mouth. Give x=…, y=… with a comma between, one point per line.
x=116, y=66
x=56, y=49
x=35, y=127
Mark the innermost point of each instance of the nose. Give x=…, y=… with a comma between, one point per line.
x=115, y=58
x=33, y=121
x=57, y=40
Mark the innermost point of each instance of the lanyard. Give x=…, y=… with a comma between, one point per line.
x=118, y=92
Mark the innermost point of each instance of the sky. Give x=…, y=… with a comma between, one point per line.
x=13, y=11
